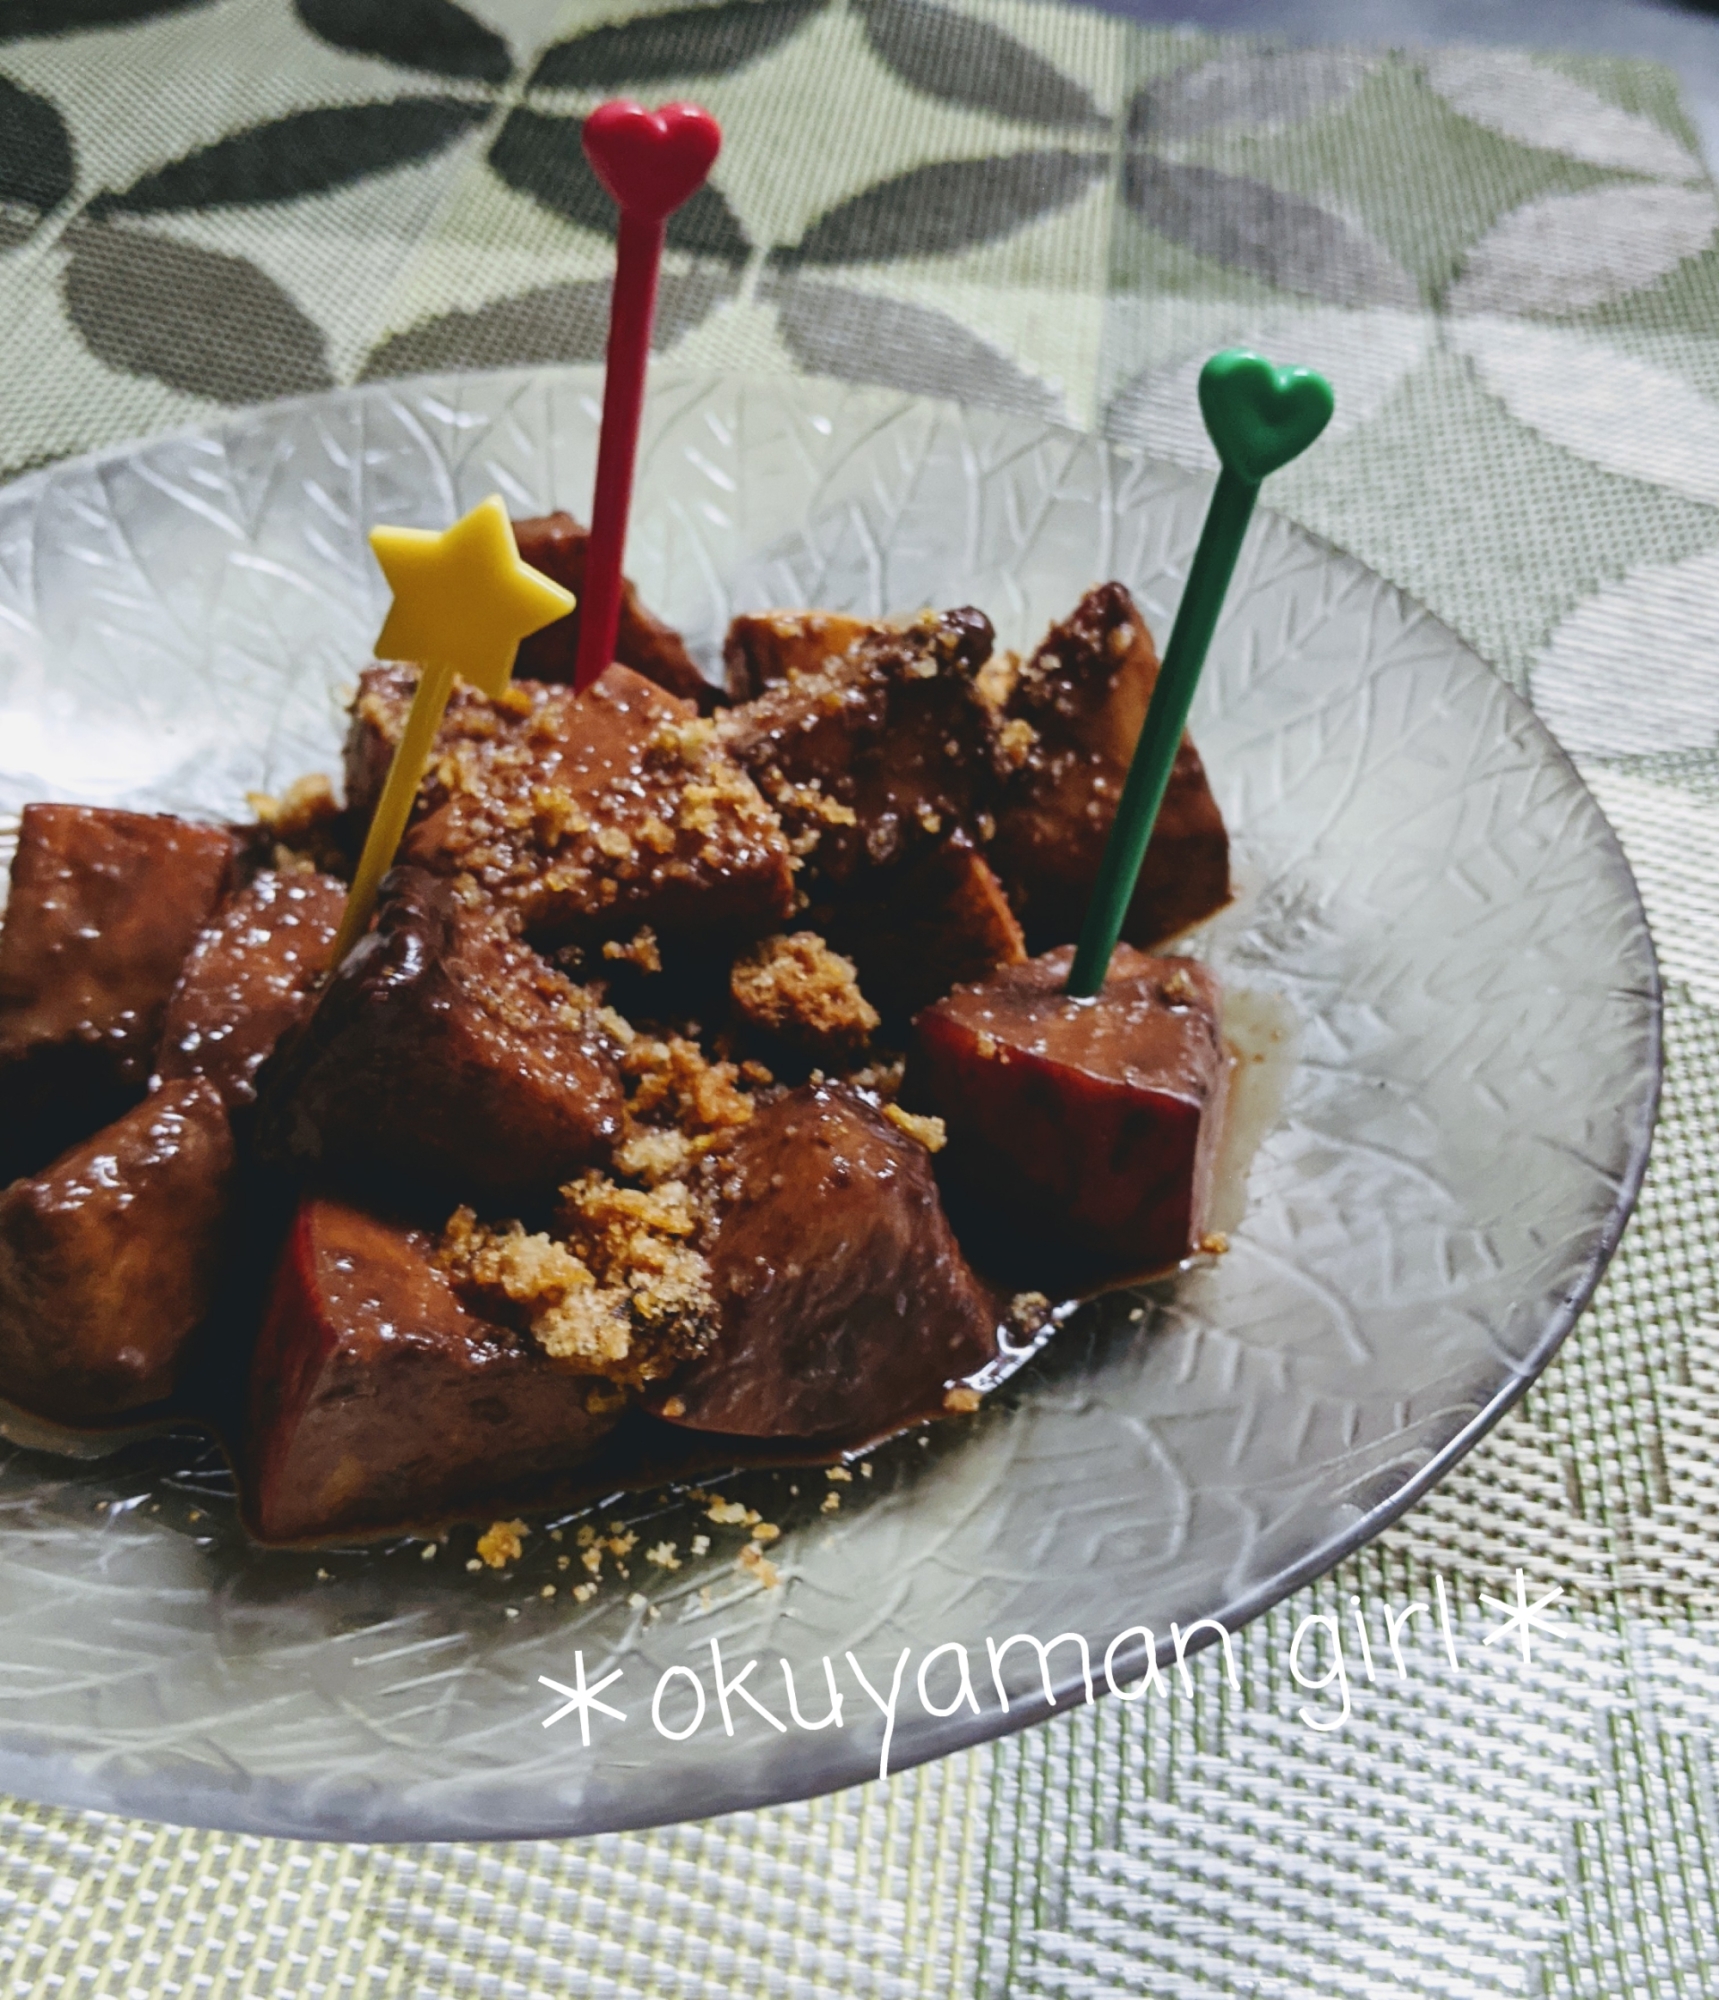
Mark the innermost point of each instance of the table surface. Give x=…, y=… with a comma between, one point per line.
x=1508, y=264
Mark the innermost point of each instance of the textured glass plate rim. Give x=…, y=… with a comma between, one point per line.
x=189, y=1798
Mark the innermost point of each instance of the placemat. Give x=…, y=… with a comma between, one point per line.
x=1508, y=266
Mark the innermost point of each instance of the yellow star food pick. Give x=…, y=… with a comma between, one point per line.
x=463, y=600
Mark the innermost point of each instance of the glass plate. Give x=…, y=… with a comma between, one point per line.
x=1425, y=884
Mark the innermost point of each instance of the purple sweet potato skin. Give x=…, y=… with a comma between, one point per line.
x=1084, y=692
x=1092, y=1123
x=379, y=1402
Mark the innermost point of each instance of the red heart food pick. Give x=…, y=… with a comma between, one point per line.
x=651, y=162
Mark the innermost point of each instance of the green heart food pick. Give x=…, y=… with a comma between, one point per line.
x=1259, y=418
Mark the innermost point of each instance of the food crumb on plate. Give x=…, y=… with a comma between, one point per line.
x=502, y=1542
x=753, y=1559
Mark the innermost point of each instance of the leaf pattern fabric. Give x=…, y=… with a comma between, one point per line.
x=208, y=324
x=1245, y=225
x=687, y=41
x=418, y=34
x=19, y=18
x=966, y=61
x=1509, y=264
x=939, y=210
x=36, y=171
x=307, y=153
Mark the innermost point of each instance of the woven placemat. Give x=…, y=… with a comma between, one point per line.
x=1508, y=264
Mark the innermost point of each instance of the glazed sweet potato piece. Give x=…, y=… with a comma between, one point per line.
x=938, y=921
x=1084, y=694
x=379, y=1401
x=1093, y=1124
x=556, y=544
x=109, y=1259
x=764, y=647
x=873, y=757
x=845, y=1304
x=583, y=817
x=249, y=978
x=449, y=1051
x=103, y=907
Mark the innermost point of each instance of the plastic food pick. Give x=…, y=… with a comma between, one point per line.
x=650, y=162
x=1259, y=418
x=463, y=600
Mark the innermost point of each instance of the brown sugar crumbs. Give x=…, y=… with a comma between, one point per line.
x=568, y=812
x=797, y=987
x=753, y=1559
x=639, y=951
x=619, y=1286
x=621, y=1291
x=925, y=1130
x=301, y=825
x=682, y=1106
x=502, y=1542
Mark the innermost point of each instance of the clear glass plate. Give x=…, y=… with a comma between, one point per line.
x=1425, y=884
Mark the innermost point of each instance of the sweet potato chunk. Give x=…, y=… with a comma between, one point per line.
x=937, y=921
x=103, y=907
x=250, y=977
x=110, y=1257
x=379, y=1401
x=583, y=817
x=874, y=756
x=556, y=544
x=764, y=647
x=1083, y=695
x=845, y=1303
x=449, y=1051
x=1091, y=1123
